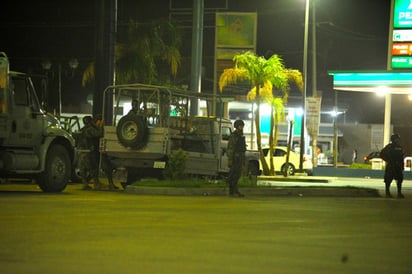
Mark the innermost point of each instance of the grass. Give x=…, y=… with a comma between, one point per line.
x=361, y=166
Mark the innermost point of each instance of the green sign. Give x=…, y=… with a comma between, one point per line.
x=297, y=124
x=401, y=62
x=402, y=15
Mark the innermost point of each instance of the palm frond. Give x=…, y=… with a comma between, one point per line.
x=88, y=74
x=231, y=76
x=295, y=76
x=265, y=93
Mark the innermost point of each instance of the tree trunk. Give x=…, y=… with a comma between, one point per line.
x=271, y=141
x=258, y=135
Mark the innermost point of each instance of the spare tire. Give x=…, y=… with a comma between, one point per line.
x=132, y=131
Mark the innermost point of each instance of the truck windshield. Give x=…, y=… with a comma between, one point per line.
x=24, y=94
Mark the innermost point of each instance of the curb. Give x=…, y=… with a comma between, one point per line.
x=261, y=191
x=315, y=179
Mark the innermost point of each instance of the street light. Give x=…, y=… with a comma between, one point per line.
x=47, y=65
x=305, y=70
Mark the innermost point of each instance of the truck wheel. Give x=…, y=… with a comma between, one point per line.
x=57, y=171
x=132, y=131
x=253, y=168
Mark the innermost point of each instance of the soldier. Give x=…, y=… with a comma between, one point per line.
x=89, y=153
x=236, y=156
x=135, y=106
x=106, y=164
x=393, y=155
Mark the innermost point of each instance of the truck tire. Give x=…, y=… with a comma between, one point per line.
x=57, y=170
x=132, y=131
x=253, y=168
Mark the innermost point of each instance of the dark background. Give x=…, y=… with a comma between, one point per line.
x=351, y=35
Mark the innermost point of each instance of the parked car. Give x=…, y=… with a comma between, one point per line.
x=374, y=154
x=408, y=163
x=279, y=160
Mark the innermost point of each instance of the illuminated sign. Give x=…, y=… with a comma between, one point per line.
x=236, y=29
x=395, y=82
x=401, y=62
x=404, y=35
x=402, y=16
x=402, y=49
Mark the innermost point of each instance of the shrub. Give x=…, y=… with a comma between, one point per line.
x=176, y=165
x=360, y=166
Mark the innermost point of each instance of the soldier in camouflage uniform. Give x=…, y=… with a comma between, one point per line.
x=393, y=155
x=236, y=156
x=89, y=153
x=106, y=164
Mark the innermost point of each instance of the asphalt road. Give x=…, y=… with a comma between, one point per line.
x=117, y=232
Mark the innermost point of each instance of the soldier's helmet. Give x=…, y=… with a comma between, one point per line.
x=238, y=123
x=395, y=137
x=87, y=119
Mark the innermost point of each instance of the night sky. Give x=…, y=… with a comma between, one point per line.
x=351, y=35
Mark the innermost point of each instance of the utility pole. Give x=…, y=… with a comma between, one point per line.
x=305, y=74
x=314, y=83
x=197, y=49
x=106, y=28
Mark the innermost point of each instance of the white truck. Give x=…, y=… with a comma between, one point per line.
x=32, y=144
x=140, y=142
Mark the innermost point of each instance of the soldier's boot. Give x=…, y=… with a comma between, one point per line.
x=238, y=194
x=113, y=186
x=400, y=195
x=111, y=183
x=387, y=190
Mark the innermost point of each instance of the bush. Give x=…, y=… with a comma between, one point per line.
x=176, y=165
x=360, y=166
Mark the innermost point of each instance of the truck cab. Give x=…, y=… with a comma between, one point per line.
x=32, y=145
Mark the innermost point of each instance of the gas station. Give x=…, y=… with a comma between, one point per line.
x=382, y=82
x=397, y=79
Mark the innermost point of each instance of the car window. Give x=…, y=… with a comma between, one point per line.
x=279, y=152
x=265, y=151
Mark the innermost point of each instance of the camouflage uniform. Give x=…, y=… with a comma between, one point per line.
x=393, y=156
x=88, y=145
x=236, y=156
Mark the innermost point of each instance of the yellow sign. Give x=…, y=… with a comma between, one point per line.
x=236, y=29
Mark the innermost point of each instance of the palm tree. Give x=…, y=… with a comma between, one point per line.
x=265, y=76
x=148, y=53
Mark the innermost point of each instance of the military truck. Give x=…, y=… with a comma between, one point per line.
x=139, y=143
x=32, y=144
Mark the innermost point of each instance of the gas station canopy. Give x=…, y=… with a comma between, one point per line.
x=373, y=81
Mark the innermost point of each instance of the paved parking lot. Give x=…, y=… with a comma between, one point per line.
x=117, y=232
